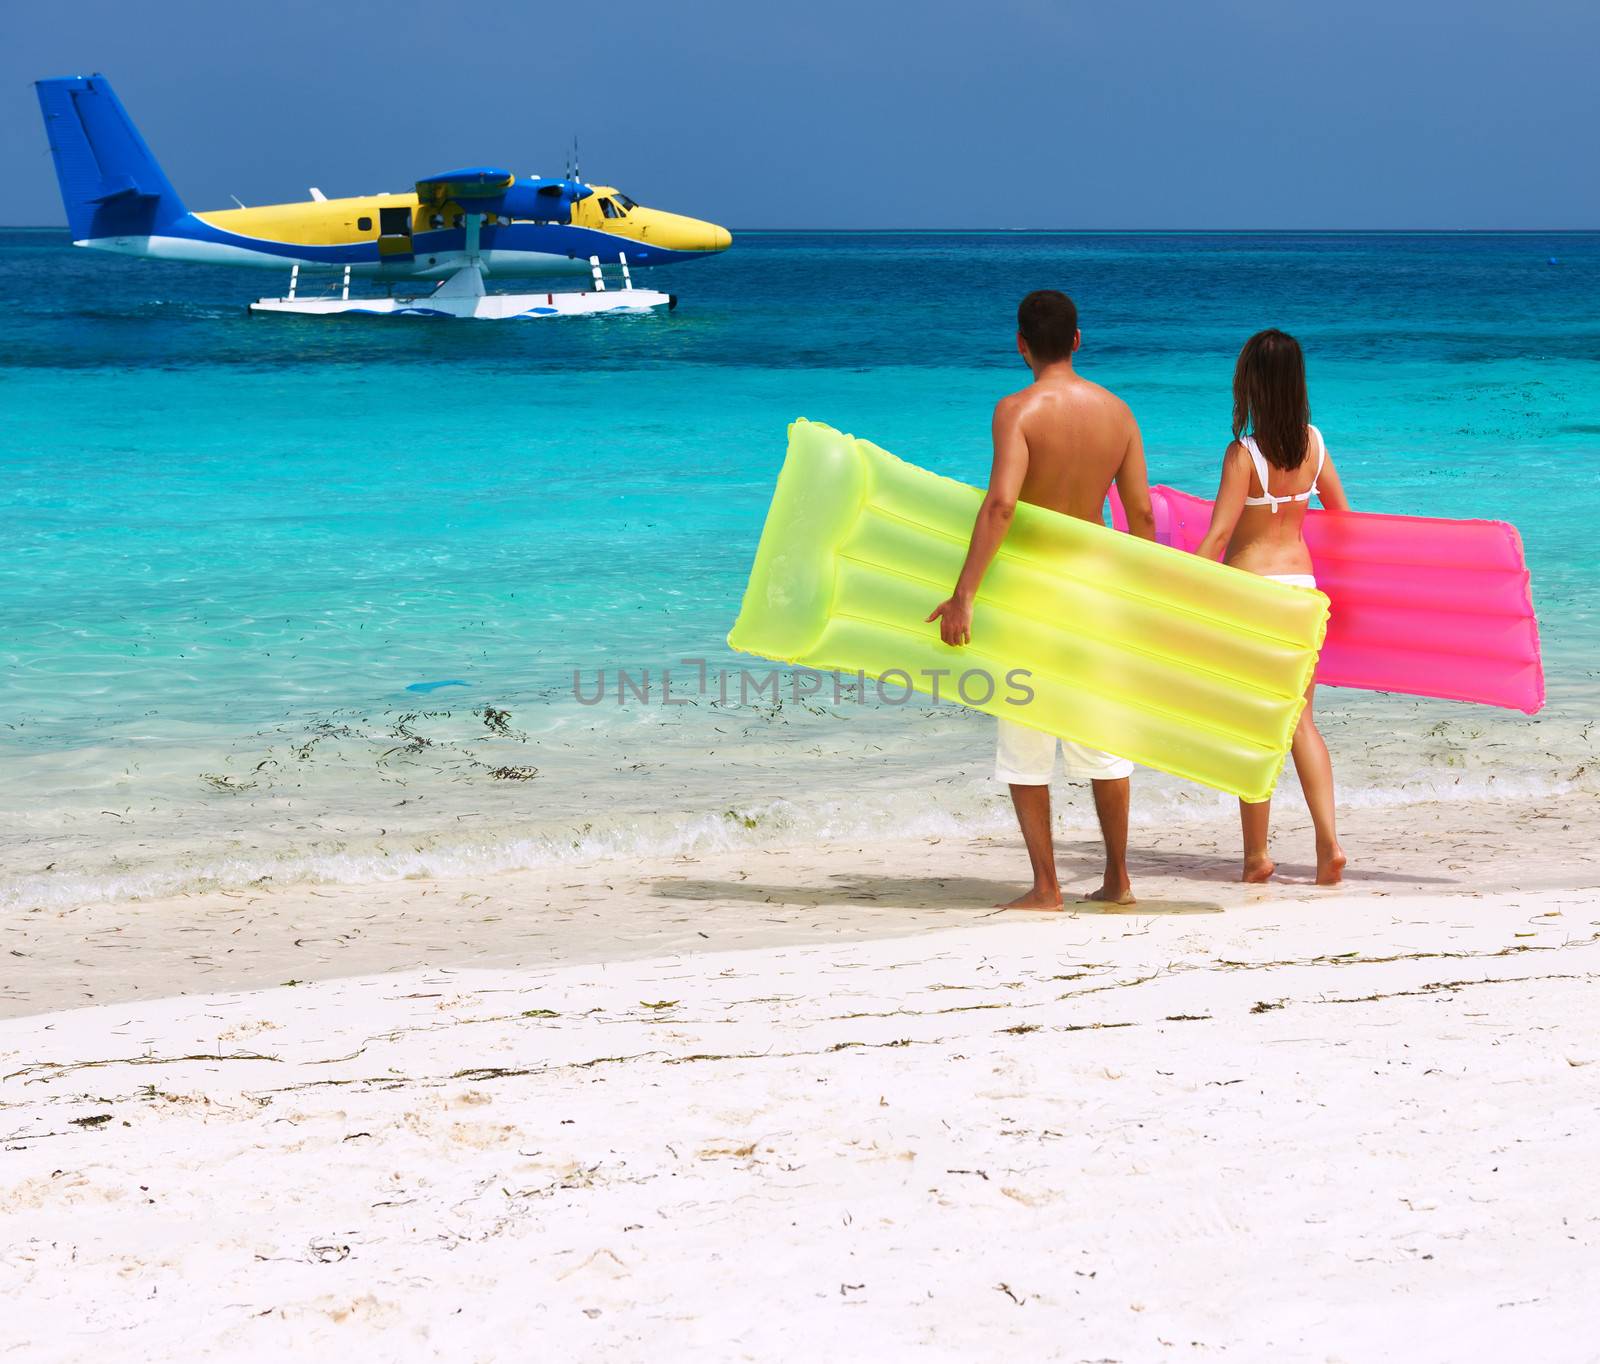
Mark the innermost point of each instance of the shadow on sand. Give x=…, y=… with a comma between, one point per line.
x=1209, y=867
x=980, y=896
x=973, y=894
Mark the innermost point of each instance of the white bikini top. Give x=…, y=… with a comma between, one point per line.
x=1260, y=461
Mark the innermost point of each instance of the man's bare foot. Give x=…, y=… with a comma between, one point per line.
x=1330, y=866
x=1037, y=898
x=1258, y=869
x=1112, y=893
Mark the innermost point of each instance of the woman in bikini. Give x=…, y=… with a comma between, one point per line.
x=1276, y=463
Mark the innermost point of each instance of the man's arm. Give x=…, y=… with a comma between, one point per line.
x=994, y=520
x=1133, y=487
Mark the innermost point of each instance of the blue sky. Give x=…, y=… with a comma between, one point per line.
x=827, y=113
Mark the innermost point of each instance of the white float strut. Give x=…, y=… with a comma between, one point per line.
x=627, y=279
x=599, y=279
x=346, y=293
x=465, y=283
x=294, y=278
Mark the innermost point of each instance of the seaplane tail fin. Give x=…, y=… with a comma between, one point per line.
x=110, y=183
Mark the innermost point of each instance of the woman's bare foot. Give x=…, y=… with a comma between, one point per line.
x=1330, y=865
x=1258, y=869
x=1037, y=898
x=1112, y=893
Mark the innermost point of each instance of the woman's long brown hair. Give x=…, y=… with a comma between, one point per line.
x=1269, y=397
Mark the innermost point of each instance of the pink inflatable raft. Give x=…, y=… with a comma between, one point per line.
x=1416, y=605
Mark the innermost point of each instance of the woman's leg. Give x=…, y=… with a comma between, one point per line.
x=1316, y=780
x=1255, y=819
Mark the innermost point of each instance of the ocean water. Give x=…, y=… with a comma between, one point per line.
x=295, y=599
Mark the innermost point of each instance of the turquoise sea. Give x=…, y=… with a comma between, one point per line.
x=238, y=552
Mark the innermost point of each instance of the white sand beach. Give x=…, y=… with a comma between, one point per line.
x=824, y=1103
x=502, y=837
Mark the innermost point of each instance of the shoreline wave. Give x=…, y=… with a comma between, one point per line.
x=441, y=855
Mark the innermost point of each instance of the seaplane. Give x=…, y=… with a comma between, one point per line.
x=426, y=250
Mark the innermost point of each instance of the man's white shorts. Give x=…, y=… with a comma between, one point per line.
x=1027, y=757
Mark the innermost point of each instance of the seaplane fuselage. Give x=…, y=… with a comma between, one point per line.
x=118, y=199
x=398, y=236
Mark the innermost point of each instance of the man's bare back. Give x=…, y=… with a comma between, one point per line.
x=1059, y=443
x=1080, y=438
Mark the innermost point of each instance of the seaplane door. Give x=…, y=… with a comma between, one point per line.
x=394, y=235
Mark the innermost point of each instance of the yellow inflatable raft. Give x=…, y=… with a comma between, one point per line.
x=1132, y=647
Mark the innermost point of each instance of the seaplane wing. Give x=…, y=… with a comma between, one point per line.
x=488, y=190
x=489, y=219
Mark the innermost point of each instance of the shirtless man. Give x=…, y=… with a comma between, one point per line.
x=1060, y=443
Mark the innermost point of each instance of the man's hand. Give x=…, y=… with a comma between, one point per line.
x=955, y=620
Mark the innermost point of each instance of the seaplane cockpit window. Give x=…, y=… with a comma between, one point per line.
x=610, y=209
x=626, y=203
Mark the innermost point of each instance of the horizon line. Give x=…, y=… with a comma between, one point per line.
x=1100, y=231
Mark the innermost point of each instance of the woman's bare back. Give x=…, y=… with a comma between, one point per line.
x=1268, y=539
x=1267, y=536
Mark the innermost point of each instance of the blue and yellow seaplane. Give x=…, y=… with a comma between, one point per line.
x=452, y=229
